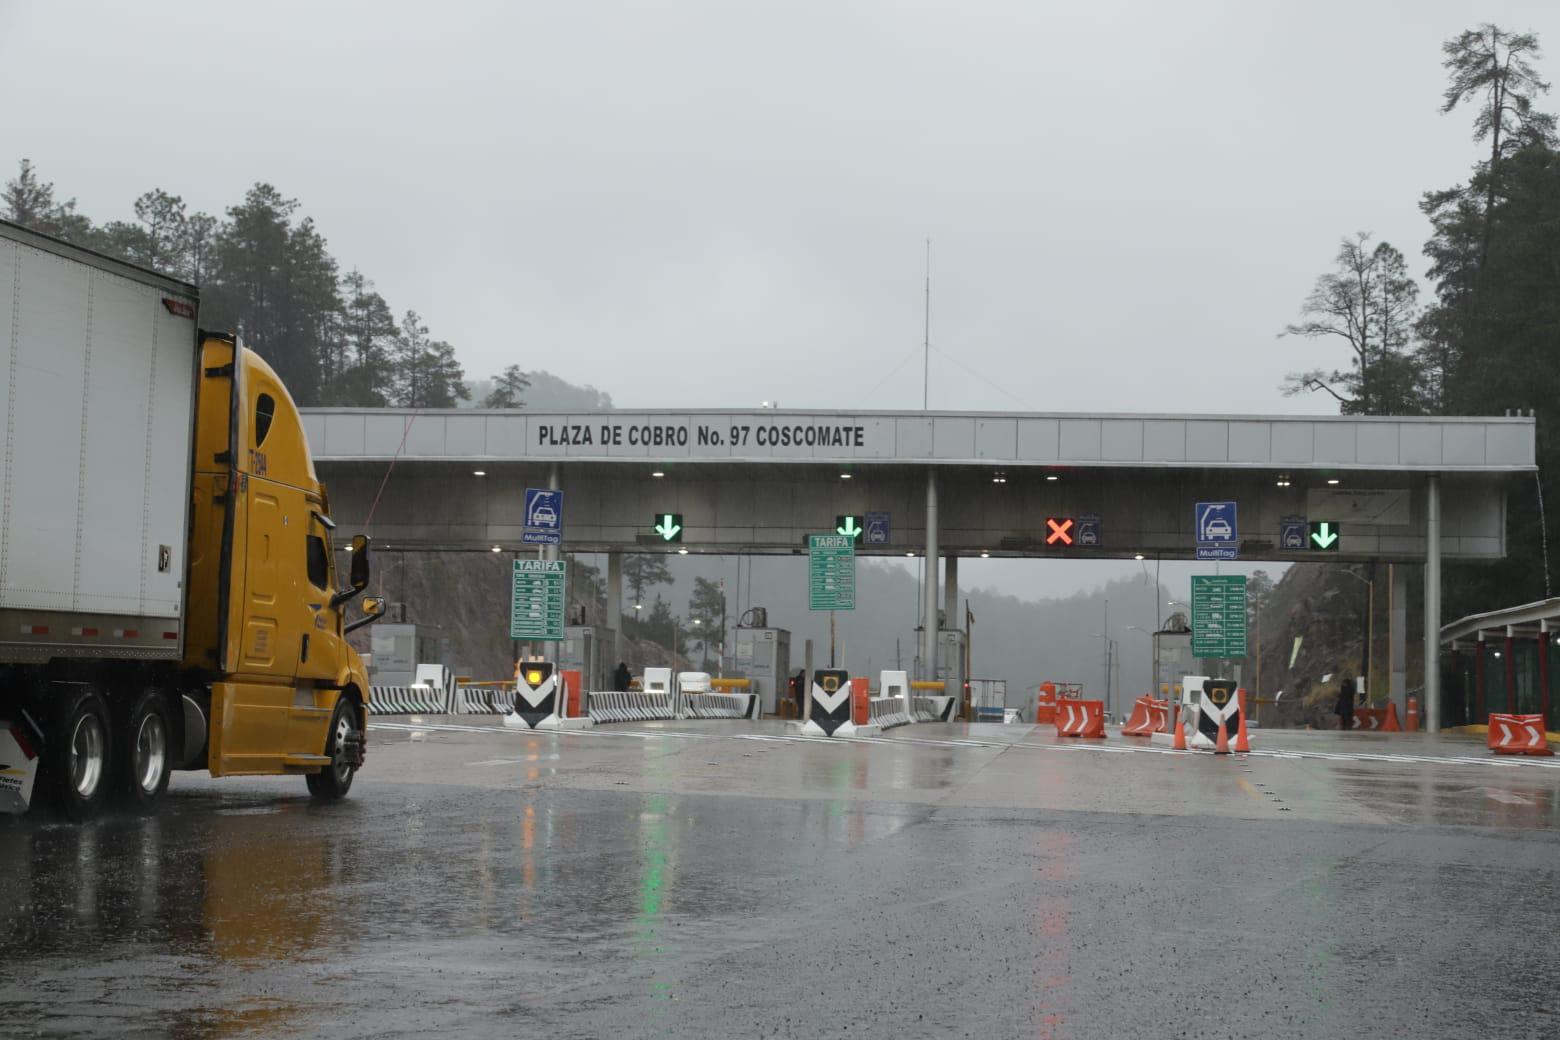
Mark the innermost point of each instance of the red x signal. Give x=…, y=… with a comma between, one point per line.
x=1058, y=530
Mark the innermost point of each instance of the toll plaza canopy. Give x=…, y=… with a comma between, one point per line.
x=761, y=481
x=937, y=484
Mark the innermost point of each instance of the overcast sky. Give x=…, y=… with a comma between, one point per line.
x=719, y=203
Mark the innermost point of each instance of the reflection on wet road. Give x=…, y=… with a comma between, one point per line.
x=666, y=881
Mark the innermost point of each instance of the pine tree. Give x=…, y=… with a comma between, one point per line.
x=508, y=390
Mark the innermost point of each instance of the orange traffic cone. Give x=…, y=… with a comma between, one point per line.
x=1180, y=734
x=1413, y=715
x=1222, y=745
x=1242, y=742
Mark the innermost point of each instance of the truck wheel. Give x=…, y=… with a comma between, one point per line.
x=343, y=744
x=76, y=757
x=144, y=757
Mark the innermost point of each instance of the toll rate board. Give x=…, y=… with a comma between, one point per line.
x=536, y=602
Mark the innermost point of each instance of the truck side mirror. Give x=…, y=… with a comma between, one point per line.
x=373, y=609
x=359, y=579
x=358, y=576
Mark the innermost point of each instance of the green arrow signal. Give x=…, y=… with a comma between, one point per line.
x=849, y=528
x=669, y=527
x=1323, y=535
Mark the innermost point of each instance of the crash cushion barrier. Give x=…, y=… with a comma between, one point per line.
x=1518, y=735
x=538, y=691
x=630, y=707
x=484, y=700
x=1218, y=701
x=1382, y=719
x=830, y=709
x=407, y=700
x=1080, y=719
x=1149, y=716
x=888, y=712
x=718, y=705
x=931, y=709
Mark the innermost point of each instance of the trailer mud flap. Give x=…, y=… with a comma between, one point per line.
x=18, y=767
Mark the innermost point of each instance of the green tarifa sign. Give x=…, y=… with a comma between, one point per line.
x=831, y=572
x=1219, y=615
x=536, y=600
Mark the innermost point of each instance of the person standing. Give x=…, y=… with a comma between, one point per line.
x=621, y=677
x=1344, y=709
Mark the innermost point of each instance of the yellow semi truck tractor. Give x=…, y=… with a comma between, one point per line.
x=169, y=596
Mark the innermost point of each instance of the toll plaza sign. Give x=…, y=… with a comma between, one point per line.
x=1219, y=615
x=811, y=433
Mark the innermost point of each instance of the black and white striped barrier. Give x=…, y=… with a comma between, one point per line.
x=1216, y=702
x=931, y=709
x=407, y=700
x=484, y=700
x=721, y=705
x=888, y=712
x=630, y=707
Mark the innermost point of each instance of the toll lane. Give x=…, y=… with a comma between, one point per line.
x=725, y=880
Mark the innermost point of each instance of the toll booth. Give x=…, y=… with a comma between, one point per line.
x=764, y=656
x=397, y=649
x=1173, y=660
x=587, y=649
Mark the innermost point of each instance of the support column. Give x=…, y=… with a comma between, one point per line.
x=929, y=584
x=1397, y=636
x=1433, y=604
x=1543, y=671
x=1510, y=652
x=554, y=482
x=951, y=591
x=615, y=604
x=1479, y=655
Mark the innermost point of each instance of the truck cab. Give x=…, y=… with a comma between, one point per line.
x=287, y=694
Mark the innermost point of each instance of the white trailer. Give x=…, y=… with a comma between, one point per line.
x=98, y=369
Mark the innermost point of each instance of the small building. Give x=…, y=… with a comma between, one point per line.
x=1501, y=661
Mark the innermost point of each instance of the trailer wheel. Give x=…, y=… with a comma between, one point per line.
x=76, y=757
x=343, y=744
x=144, y=757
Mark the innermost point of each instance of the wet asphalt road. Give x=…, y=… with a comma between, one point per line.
x=720, y=879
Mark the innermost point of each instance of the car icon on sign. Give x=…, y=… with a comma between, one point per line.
x=1217, y=530
x=1293, y=540
x=544, y=516
x=1088, y=537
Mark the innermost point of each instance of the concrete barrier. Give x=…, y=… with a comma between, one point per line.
x=931, y=709
x=484, y=700
x=407, y=700
x=720, y=705
x=630, y=707
x=888, y=712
